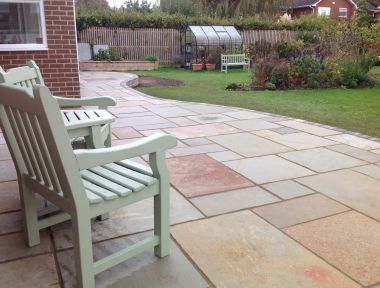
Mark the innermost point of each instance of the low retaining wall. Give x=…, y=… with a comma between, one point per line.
x=119, y=66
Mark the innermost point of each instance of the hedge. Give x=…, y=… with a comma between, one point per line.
x=123, y=19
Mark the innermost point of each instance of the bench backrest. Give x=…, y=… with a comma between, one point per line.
x=25, y=76
x=39, y=144
x=233, y=58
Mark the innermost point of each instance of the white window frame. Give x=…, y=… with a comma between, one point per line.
x=324, y=11
x=31, y=46
x=343, y=10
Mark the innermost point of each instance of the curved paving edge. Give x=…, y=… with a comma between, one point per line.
x=134, y=82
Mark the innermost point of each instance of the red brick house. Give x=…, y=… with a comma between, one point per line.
x=333, y=8
x=43, y=30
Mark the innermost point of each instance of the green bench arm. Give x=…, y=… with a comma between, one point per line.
x=89, y=158
x=102, y=102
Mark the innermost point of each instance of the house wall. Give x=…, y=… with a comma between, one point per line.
x=327, y=3
x=335, y=7
x=59, y=64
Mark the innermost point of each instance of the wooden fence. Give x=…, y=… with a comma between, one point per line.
x=134, y=44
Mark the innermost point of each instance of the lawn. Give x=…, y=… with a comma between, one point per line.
x=352, y=109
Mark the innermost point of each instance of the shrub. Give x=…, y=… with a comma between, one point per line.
x=151, y=58
x=354, y=72
x=305, y=70
x=232, y=86
x=261, y=73
x=280, y=77
x=107, y=55
x=270, y=86
x=283, y=49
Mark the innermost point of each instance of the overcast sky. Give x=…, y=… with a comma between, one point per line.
x=117, y=3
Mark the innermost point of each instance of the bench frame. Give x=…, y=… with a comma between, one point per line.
x=228, y=60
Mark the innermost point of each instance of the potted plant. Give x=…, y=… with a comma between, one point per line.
x=196, y=66
x=178, y=61
x=153, y=59
x=210, y=62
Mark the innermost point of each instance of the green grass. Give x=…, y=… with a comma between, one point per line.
x=352, y=109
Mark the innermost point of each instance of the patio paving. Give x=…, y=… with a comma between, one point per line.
x=257, y=200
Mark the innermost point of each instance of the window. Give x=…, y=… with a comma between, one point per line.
x=343, y=13
x=22, y=25
x=324, y=11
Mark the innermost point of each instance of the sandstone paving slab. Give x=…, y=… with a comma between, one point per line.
x=197, y=175
x=210, y=118
x=207, y=109
x=265, y=133
x=356, y=152
x=151, y=132
x=126, y=132
x=171, y=111
x=253, y=124
x=371, y=170
x=197, y=141
x=377, y=151
x=182, y=121
x=139, y=121
x=285, y=130
x=201, y=130
x=183, y=151
x=288, y=189
x=11, y=222
x=37, y=271
x=126, y=110
x=245, y=115
x=301, y=140
x=155, y=126
x=135, y=218
x=351, y=188
x=224, y=202
x=350, y=241
x=309, y=128
x=8, y=171
x=299, y=210
x=275, y=118
x=137, y=114
x=12, y=246
x=10, y=199
x=322, y=160
x=267, y=169
x=224, y=156
x=4, y=153
x=242, y=250
x=355, y=141
x=144, y=270
x=249, y=145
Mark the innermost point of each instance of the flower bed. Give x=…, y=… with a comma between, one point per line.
x=119, y=66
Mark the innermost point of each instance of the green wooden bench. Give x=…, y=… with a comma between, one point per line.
x=82, y=183
x=93, y=125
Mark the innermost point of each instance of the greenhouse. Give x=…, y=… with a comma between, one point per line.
x=200, y=43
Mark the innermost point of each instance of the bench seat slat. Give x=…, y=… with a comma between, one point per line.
x=105, y=183
x=131, y=174
x=93, y=198
x=117, y=178
x=136, y=167
x=101, y=192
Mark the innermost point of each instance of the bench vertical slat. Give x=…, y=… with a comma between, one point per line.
x=45, y=154
x=19, y=141
x=36, y=148
x=29, y=149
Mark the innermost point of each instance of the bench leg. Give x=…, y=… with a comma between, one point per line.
x=161, y=204
x=83, y=251
x=28, y=204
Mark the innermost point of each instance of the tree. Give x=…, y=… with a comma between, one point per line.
x=136, y=5
x=92, y=4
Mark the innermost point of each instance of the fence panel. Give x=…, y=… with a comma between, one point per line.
x=134, y=44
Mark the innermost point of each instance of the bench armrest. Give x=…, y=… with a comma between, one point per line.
x=102, y=102
x=88, y=158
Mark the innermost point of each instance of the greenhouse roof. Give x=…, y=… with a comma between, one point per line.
x=216, y=35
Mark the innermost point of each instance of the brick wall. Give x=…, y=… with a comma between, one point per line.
x=59, y=65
